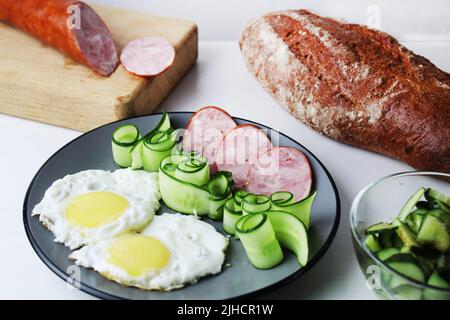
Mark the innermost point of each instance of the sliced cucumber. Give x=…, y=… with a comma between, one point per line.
x=406, y=265
x=414, y=221
x=407, y=292
x=405, y=249
x=185, y=196
x=436, y=204
x=396, y=241
x=255, y=203
x=258, y=238
x=411, y=203
x=423, y=205
x=436, y=195
x=182, y=196
x=219, y=188
x=437, y=281
x=435, y=233
x=282, y=198
x=387, y=253
x=380, y=227
x=239, y=196
x=441, y=215
x=123, y=140
x=157, y=146
x=386, y=238
x=406, y=234
x=137, y=151
x=164, y=123
x=231, y=214
x=281, y=201
x=195, y=171
x=372, y=243
x=443, y=265
x=291, y=233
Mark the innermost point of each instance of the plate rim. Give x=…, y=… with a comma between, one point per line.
x=97, y=293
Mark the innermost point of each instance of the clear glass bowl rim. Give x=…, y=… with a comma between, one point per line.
x=359, y=237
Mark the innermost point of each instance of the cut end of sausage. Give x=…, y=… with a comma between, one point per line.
x=281, y=169
x=147, y=56
x=95, y=41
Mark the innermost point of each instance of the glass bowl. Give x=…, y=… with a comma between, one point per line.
x=381, y=201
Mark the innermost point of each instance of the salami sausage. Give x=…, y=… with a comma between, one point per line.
x=281, y=169
x=205, y=132
x=240, y=149
x=147, y=56
x=72, y=27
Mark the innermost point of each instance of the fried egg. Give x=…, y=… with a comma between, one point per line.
x=93, y=205
x=172, y=251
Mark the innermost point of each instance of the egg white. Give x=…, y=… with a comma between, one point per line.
x=196, y=250
x=138, y=187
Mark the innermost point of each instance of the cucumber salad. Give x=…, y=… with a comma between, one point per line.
x=416, y=244
x=264, y=223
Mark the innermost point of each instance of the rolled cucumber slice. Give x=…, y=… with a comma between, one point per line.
x=239, y=196
x=157, y=146
x=291, y=233
x=231, y=214
x=255, y=203
x=136, y=155
x=258, y=238
x=196, y=171
x=182, y=196
x=220, y=191
x=182, y=192
x=282, y=201
x=123, y=140
x=137, y=152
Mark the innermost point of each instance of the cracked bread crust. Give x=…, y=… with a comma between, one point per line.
x=353, y=84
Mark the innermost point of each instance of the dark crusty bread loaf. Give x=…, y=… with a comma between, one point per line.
x=353, y=84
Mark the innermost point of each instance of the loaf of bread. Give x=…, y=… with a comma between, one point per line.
x=353, y=84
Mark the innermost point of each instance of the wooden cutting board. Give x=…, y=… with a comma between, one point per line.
x=39, y=83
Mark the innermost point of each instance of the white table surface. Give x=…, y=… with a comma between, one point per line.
x=219, y=78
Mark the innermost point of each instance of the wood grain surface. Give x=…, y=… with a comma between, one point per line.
x=39, y=83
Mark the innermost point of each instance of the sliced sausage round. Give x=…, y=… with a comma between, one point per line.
x=147, y=56
x=240, y=149
x=70, y=26
x=281, y=169
x=205, y=131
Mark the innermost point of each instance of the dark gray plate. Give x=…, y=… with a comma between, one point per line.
x=93, y=151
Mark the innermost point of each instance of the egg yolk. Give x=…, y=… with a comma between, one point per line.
x=138, y=254
x=94, y=209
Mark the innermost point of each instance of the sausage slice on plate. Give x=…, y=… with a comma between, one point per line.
x=281, y=169
x=240, y=149
x=205, y=131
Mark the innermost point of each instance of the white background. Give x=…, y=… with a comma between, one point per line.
x=220, y=78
